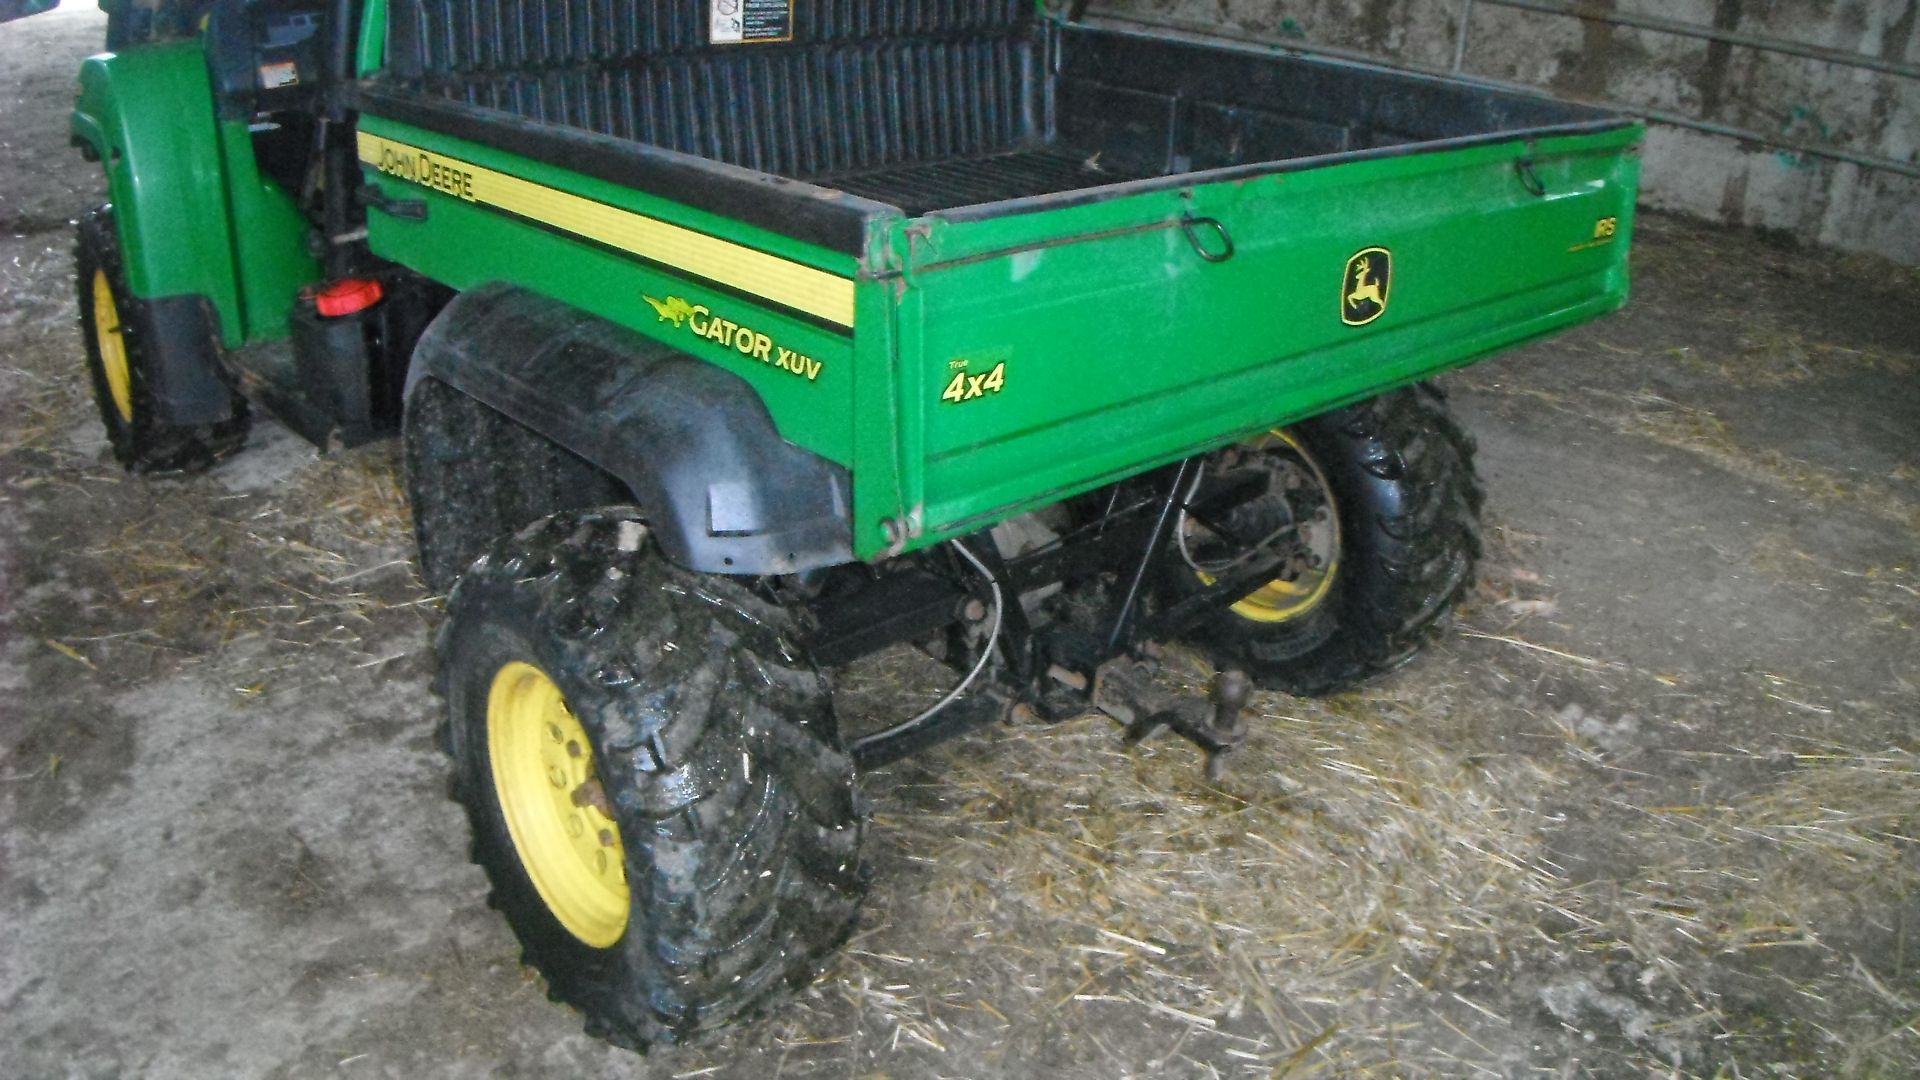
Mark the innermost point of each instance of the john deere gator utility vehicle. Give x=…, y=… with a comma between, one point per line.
x=731, y=341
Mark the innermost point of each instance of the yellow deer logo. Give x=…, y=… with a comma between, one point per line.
x=1368, y=284
x=1365, y=290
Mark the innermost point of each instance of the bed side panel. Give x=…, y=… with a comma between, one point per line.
x=1055, y=351
x=777, y=312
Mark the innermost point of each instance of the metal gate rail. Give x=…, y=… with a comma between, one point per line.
x=1760, y=42
x=1242, y=38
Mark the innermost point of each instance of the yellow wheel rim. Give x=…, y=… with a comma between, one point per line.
x=549, y=793
x=108, y=332
x=1281, y=600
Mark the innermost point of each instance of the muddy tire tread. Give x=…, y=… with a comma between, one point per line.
x=743, y=878
x=473, y=474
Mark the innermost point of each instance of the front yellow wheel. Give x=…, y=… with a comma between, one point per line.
x=110, y=334
x=136, y=348
x=555, y=808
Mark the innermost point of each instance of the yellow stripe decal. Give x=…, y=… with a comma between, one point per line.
x=783, y=281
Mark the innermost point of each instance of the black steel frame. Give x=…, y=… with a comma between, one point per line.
x=1129, y=539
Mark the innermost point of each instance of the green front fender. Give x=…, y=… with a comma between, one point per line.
x=195, y=216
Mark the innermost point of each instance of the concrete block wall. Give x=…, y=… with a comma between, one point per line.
x=1815, y=199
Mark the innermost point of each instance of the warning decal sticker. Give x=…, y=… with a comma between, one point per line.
x=736, y=22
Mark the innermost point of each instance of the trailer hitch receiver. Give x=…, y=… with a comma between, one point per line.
x=1124, y=689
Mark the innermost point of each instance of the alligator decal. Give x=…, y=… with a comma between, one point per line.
x=672, y=309
x=701, y=322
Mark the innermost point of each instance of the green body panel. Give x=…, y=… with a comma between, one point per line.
x=149, y=114
x=269, y=240
x=463, y=245
x=195, y=215
x=1119, y=347
x=1087, y=337
x=370, y=51
x=1123, y=348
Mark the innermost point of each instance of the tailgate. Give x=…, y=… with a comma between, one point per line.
x=1051, y=346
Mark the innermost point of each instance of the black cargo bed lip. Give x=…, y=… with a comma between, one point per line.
x=1228, y=173
x=825, y=215
x=792, y=208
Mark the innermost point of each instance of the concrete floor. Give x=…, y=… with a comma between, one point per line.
x=1649, y=810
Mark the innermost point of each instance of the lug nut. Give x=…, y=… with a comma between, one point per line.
x=592, y=794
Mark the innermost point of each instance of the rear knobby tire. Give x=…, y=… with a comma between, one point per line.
x=113, y=320
x=474, y=474
x=1399, y=472
x=715, y=744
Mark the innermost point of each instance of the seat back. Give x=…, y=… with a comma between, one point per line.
x=862, y=84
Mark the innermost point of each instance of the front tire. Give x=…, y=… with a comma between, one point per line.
x=1381, y=505
x=694, y=747
x=121, y=345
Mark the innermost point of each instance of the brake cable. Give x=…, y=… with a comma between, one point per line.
x=986, y=654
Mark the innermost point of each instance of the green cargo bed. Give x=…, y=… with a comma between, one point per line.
x=982, y=258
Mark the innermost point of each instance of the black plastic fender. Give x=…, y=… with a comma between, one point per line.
x=723, y=492
x=183, y=351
